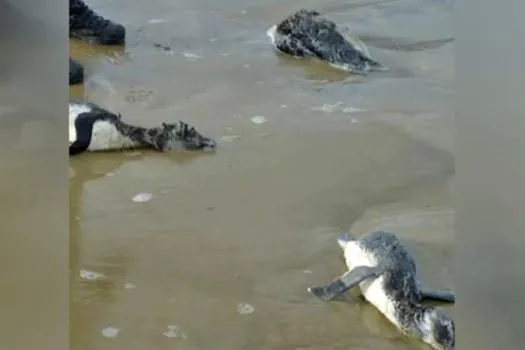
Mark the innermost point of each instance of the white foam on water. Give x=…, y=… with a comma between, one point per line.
x=259, y=119
x=245, y=309
x=338, y=106
x=110, y=332
x=129, y=286
x=191, y=56
x=327, y=107
x=174, y=332
x=353, y=110
x=230, y=138
x=142, y=197
x=91, y=275
x=157, y=21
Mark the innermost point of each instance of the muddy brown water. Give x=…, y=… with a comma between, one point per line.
x=255, y=223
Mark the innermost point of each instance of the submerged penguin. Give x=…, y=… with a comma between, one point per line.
x=306, y=34
x=387, y=277
x=92, y=128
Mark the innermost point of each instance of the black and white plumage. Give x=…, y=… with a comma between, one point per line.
x=387, y=277
x=306, y=34
x=93, y=128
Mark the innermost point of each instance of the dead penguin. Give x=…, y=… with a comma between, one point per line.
x=387, y=277
x=306, y=34
x=92, y=128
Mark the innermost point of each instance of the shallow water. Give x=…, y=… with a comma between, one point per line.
x=220, y=254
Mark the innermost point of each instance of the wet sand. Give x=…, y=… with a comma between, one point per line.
x=255, y=223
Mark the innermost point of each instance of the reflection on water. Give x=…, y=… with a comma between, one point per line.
x=250, y=227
